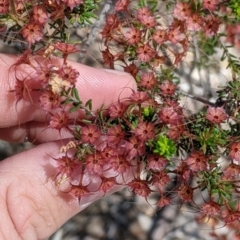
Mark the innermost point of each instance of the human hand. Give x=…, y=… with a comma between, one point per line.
x=30, y=204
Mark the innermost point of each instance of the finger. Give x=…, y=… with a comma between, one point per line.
x=34, y=132
x=31, y=205
x=101, y=85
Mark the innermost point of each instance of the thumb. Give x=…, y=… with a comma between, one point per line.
x=31, y=206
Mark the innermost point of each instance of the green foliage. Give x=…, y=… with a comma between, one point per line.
x=164, y=146
x=218, y=188
x=235, y=6
x=83, y=14
x=148, y=113
x=212, y=138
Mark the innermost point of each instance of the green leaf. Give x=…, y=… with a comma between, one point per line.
x=164, y=146
x=75, y=94
x=88, y=104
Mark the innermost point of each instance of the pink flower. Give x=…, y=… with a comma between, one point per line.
x=67, y=166
x=169, y=115
x=108, y=58
x=163, y=201
x=115, y=134
x=145, y=53
x=156, y=163
x=40, y=14
x=134, y=148
x=20, y=89
x=73, y=3
x=112, y=21
x=231, y=172
x=117, y=109
x=211, y=208
x=121, y=5
x=4, y=6
x=185, y=192
x=145, y=131
x=211, y=25
x=59, y=120
x=32, y=32
x=119, y=164
x=175, y=131
x=168, y=88
x=234, y=153
x=140, y=187
x=148, y=21
x=69, y=74
x=161, y=180
x=211, y=5
x=194, y=22
x=175, y=36
x=197, y=161
x=143, y=12
x=216, y=115
x=133, y=36
x=90, y=134
x=49, y=101
x=160, y=36
x=95, y=163
x=79, y=191
x=139, y=97
x=132, y=69
x=148, y=80
x=43, y=74
x=182, y=10
x=65, y=48
x=107, y=183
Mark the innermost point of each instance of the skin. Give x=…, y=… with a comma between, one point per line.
x=30, y=204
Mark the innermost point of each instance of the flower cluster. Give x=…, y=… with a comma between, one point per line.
x=145, y=142
x=38, y=22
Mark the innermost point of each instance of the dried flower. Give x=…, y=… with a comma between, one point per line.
x=140, y=187
x=160, y=180
x=185, y=192
x=211, y=209
x=163, y=201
